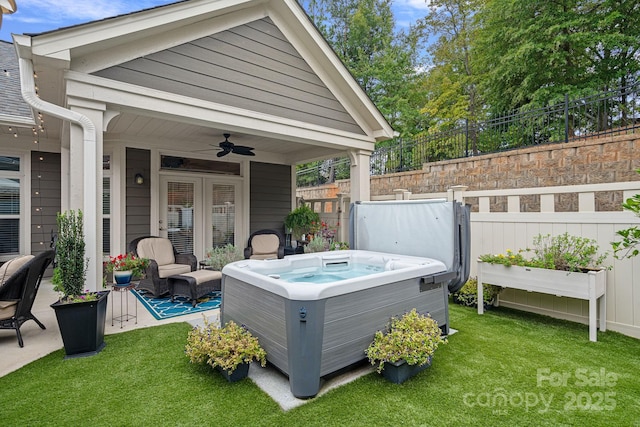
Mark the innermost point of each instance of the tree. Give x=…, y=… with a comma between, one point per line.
x=383, y=61
x=533, y=52
x=452, y=80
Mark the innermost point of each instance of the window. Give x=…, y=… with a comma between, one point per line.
x=9, y=205
x=106, y=205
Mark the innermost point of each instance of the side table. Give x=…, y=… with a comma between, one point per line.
x=124, y=316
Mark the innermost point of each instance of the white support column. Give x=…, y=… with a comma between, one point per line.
x=85, y=185
x=65, y=167
x=360, y=180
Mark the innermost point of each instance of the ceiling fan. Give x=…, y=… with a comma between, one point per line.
x=229, y=147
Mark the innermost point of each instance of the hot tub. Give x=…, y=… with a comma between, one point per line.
x=315, y=314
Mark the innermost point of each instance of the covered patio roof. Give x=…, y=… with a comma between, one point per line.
x=175, y=78
x=193, y=70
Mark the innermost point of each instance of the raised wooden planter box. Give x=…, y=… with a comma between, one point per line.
x=591, y=286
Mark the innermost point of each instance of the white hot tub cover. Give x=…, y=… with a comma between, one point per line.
x=435, y=229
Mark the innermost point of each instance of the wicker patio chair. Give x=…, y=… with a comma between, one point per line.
x=165, y=261
x=18, y=292
x=265, y=244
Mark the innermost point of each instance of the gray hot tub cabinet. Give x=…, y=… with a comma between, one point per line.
x=310, y=339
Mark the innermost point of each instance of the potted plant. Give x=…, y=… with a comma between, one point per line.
x=81, y=315
x=562, y=265
x=218, y=257
x=126, y=266
x=406, y=347
x=628, y=246
x=468, y=294
x=229, y=349
x=302, y=220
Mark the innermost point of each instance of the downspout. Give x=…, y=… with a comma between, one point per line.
x=27, y=86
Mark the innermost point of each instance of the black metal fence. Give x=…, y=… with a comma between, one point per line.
x=612, y=112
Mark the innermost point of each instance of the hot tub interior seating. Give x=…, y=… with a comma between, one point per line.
x=165, y=262
x=315, y=314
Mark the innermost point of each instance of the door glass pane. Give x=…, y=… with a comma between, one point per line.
x=223, y=212
x=180, y=197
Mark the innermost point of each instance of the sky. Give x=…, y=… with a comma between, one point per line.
x=37, y=16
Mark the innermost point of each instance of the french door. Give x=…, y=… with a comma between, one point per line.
x=199, y=213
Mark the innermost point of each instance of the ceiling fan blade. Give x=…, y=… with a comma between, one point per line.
x=245, y=151
x=223, y=153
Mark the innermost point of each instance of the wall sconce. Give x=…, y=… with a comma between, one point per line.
x=139, y=179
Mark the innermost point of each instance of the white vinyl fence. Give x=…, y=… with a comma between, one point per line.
x=495, y=232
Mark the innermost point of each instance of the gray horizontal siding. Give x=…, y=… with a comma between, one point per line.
x=138, y=205
x=45, y=200
x=270, y=196
x=252, y=66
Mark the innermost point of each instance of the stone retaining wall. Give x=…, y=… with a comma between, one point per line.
x=591, y=161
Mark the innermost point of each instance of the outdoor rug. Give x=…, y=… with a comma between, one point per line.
x=163, y=308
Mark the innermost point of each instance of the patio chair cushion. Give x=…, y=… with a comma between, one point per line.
x=265, y=246
x=158, y=249
x=11, y=266
x=8, y=309
x=167, y=270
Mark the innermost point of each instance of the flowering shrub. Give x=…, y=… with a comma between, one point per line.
x=317, y=244
x=563, y=252
x=324, y=239
x=338, y=246
x=468, y=294
x=218, y=257
x=225, y=347
x=413, y=337
x=84, y=297
x=128, y=261
x=328, y=232
x=508, y=259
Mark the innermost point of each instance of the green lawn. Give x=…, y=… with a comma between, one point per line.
x=506, y=368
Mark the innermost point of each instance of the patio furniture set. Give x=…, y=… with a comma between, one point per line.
x=168, y=272
x=177, y=274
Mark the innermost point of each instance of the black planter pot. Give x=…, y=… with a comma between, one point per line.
x=399, y=372
x=240, y=373
x=82, y=325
